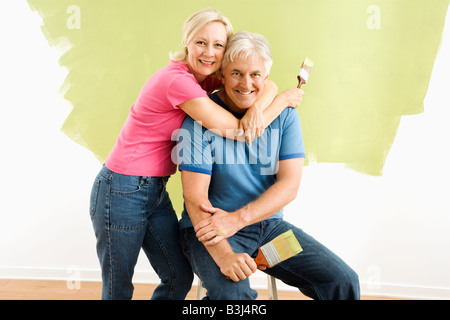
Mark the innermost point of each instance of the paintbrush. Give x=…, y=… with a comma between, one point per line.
x=279, y=249
x=303, y=74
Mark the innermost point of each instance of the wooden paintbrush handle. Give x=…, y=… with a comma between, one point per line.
x=300, y=82
x=261, y=260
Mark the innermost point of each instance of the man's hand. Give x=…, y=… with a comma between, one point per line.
x=219, y=226
x=237, y=266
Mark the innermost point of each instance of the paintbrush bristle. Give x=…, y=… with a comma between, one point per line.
x=308, y=63
x=281, y=248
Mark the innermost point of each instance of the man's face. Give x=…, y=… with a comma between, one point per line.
x=244, y=81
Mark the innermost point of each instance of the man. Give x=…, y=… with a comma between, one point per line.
x=235, y=193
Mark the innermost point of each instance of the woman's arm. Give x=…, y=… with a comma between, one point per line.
x=252, y=123
x=214, y=117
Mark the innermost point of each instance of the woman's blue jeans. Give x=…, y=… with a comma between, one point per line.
x=316, y=271
x=129, y=213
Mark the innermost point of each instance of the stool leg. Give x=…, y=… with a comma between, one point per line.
x=272, y=288
x=200, y=290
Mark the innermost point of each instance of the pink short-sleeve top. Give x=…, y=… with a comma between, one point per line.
x=144, y=145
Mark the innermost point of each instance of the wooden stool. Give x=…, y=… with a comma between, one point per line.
x=271, y=288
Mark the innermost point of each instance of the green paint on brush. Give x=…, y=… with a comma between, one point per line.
x=372, y=64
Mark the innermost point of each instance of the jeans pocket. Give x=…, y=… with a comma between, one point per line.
x=127, y=211
x=124, y=184
x=94, y=197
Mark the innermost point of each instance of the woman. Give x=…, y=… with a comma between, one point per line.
x=130, y=207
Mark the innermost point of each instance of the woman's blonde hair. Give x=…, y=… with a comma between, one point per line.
x=194, y=23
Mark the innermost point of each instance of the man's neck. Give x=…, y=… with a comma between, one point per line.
x=230, y=104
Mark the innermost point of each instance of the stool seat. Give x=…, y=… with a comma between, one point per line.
x=271, y=288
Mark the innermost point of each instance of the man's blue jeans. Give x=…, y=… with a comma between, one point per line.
x=316, y=271
x=129, y=213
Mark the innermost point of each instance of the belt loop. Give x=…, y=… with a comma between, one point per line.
x=164, y=180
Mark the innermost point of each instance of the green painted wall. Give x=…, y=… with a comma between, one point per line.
x=373, y=61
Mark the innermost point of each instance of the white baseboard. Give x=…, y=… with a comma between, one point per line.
x=74, y=274
x=402, y=291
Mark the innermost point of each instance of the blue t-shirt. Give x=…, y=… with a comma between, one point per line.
x=239, y=174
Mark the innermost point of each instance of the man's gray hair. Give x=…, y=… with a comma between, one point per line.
x=248, y=45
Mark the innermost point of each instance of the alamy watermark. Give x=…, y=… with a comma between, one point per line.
x=74, y=278
x=374, y=19
x=206, y=147
x=373, y=277
x=74, y=19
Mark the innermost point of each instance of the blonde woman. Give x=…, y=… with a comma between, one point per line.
x=130, y=207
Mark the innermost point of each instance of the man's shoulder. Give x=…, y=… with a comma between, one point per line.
x=192, y=128
x=287, y=116
x=289, y=112
x=188, y=123
x=215, y=97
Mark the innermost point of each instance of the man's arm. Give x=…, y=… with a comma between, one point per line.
x=195, y=190
x=212, y=230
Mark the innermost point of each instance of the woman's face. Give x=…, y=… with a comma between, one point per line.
x=206, y=50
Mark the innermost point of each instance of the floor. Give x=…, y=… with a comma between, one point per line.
x=61, y=290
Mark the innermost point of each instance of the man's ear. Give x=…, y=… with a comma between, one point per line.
x=267, y=77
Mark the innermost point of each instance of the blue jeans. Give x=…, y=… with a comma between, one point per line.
x=129, y=213
x=316, y=271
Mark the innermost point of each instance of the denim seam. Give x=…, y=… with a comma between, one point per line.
x=94, y=199
x=169, y=262
x=108, y=232
x=161, y=194
x=161, y=247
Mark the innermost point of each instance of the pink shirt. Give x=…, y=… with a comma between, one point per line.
x=144, y=145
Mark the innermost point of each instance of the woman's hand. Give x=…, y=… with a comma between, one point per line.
x=252, y=124
x=293, y=97
x=219, y=226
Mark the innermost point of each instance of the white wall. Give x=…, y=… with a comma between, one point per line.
x=394, y=230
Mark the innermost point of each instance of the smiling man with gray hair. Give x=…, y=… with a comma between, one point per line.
x=235, y=193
